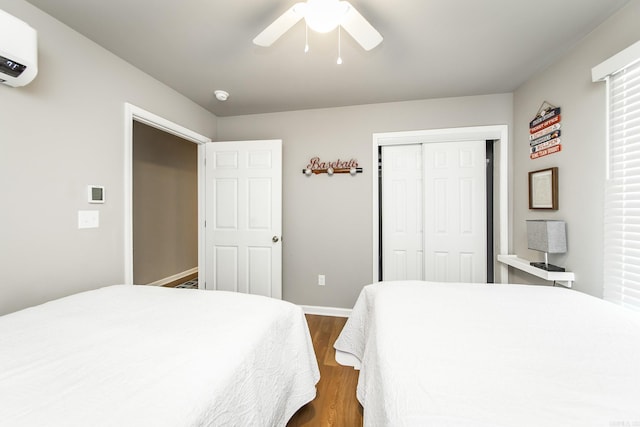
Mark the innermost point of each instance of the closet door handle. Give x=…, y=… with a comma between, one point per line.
x=275, y=239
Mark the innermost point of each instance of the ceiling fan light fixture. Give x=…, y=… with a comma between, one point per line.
x=323, y=16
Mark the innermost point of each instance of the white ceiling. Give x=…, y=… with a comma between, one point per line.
x=431, y=48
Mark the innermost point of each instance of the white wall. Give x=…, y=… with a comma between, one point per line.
x=567, y=84
x=327, y=221
x=57, y=135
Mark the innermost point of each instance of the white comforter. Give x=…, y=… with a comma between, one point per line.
x=436, y=354
x=148, y=356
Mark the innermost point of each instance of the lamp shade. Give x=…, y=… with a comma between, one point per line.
x=548, y=236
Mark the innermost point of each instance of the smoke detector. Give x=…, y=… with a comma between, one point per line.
x=221, y=95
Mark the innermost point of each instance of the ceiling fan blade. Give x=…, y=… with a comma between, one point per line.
x=360, y=29
x=280, y=26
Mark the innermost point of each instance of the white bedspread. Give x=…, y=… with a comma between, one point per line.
x=149, y=356
x=467, y=355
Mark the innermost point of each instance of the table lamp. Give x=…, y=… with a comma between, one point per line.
x=548, y=236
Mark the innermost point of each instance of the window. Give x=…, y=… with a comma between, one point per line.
x=622, y=189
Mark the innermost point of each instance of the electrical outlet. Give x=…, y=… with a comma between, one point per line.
x=320, y=279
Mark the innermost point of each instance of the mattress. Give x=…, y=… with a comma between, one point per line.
x=150, y=356
x=444, y=354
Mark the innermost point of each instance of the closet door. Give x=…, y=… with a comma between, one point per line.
x=402, y=212
x=433, y=212
x=455, y=212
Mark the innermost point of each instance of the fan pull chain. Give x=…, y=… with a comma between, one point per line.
x=339, y=61
x=306, y=38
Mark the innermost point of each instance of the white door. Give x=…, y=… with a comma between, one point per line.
x=434, y=212
x=455, y=211
x=244, y=217
x=402, y=212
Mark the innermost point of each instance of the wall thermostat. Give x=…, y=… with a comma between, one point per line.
x=96, y=194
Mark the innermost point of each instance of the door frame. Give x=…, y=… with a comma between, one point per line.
x=497, y=133
x=133, y=113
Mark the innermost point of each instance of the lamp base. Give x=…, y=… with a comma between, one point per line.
x=547, y=267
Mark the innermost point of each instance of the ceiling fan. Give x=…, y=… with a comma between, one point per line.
x=322, y=16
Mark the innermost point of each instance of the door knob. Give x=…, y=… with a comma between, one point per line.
x=275, y=239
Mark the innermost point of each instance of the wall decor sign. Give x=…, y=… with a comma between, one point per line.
x=545, y=131
x=316, y=166
x=543, y=189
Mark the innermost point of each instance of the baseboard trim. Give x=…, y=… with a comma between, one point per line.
x=326, y=311
x=173, y=278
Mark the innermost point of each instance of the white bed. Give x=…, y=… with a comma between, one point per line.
x=436, y=354
x=150, y=356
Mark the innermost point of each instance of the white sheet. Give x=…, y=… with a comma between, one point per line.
x=149, y=356
x=493, y=355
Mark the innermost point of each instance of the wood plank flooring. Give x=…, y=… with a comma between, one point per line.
x=335, y=403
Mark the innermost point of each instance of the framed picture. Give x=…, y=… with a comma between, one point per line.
x=543, y=189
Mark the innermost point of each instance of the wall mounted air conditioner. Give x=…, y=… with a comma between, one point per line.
x=18, y=51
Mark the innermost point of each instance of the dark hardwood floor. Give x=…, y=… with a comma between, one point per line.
x=335, y=403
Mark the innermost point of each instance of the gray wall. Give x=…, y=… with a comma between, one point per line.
x=65, y=131
x=59, y=134
x=581, y=162
x=327, y=221
x=165, y=204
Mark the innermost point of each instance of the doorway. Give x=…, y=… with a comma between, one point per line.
x=165, y=207
x=135, y=114
x=498, y=137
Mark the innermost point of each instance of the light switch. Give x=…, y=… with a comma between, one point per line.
x=88, y=219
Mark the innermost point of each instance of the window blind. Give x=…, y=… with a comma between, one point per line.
x=622, y=190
